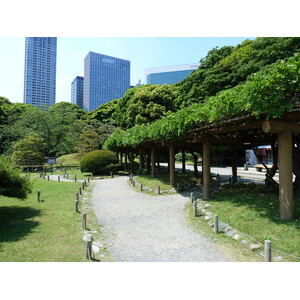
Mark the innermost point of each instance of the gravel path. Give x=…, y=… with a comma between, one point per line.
x=148, y=228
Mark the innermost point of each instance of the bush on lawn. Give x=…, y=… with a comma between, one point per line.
x=12, y=182
x=99, y=162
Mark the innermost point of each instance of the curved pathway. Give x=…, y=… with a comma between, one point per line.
x=148, y=228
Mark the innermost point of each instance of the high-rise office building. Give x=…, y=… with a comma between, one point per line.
x=105, y=78
x=77, y=91
x=169, y=75
x=40, y=70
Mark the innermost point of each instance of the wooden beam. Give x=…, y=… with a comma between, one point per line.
x=152, y=162
x=285, y=175
x=141, y=159
x=276, y=126
x=172, y=165
x=206, y=170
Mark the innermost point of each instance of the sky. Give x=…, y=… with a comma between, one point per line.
x=142, y=52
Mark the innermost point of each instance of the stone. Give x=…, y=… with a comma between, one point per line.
x=95, y=249
x=278, y=258
x=207, y=206
x=211, y=223
x=253, y=247
x=208, y=213
x=227, y=229
x=236, y=237
x=230, y=233
x=244, y=242
x=207, y=218
x=222, y=226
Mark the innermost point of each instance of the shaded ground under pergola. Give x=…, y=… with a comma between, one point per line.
x=234, y=132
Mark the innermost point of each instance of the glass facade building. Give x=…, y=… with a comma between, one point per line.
x=105, y=78
x=40, y=70
x=77, y=91
x=169, y=75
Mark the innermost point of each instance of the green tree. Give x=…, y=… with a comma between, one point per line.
x=30, y=150
x=88, y=141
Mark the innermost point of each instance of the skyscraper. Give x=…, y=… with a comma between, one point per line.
x=77, y=91
x=105, y=78
x=40, y=70
x=169, y=75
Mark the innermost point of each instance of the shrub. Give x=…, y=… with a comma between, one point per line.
x=12, y=182
x=142, y=172
x=99, y=162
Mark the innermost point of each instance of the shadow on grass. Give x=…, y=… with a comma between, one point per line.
x=255, y=196
x=15, y=222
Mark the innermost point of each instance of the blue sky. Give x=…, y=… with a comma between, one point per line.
x=143, y=52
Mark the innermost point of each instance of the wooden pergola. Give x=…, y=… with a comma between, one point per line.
x=233, y=132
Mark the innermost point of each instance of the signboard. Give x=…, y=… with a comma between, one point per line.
x=51, y=160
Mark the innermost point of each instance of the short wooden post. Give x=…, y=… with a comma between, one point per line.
x=178, y=187
x=67, y=176
x=133, y=182
x=216, y=224
x=58, y=178
x=111, y=175
x=158, y=189
x=48, y=177
x=84, y=221
x=83, y=186
x=80, y=191
x=44, y=176
x=85, y=183
x=76, y=205
x=89, y=178
x=192, y=197
x=141, y=187
x=195, y=208
x=268, y=251
x=77, y=196
x=75, y=177
x=92, y=177
x=245, y=167
x=38, y=195
x=89, y=247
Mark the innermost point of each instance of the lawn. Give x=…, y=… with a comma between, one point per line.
x=255, y=212
x=49, y=230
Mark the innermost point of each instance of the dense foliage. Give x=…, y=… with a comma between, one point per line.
x=99, y=162
x=12, y=182
x=270, y=91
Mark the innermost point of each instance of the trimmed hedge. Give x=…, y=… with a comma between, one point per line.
x=99, y=162
x=12, y=182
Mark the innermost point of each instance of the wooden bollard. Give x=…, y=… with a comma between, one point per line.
x=111, y=175
x=48, y=177
x=80, y=191
x=84, y=221
x=133, y=182
x=195, y=208
x=216, y=224
x=178, y=187
x=75, y=178
x=67, y=176
x=83, y=185
x=38, y=195
x=44, y=176
x=268, y=251
x=158, y=189
x=58, y=178
x=92, y=177
x=89, y=178
x=245, y=167
x=141, y=187
x=76, y=205
x=77, y=196
x=192, y=197
x=89, y=247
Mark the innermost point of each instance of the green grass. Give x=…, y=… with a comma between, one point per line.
x=68, y=159
x=251, y=210
x=163, y=180
x=49, y=230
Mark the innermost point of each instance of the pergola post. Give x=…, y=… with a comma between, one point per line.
x=141, y=159
x=121, y=158
x=152, y=162
x=172, y=165
x=206, y=170
x=125, y=165
x=183, y=161
x=234, y=164
x=131, y=162
x=285, y=160
x=158, y=161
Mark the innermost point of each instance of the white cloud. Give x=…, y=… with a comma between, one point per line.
x=77, y=53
